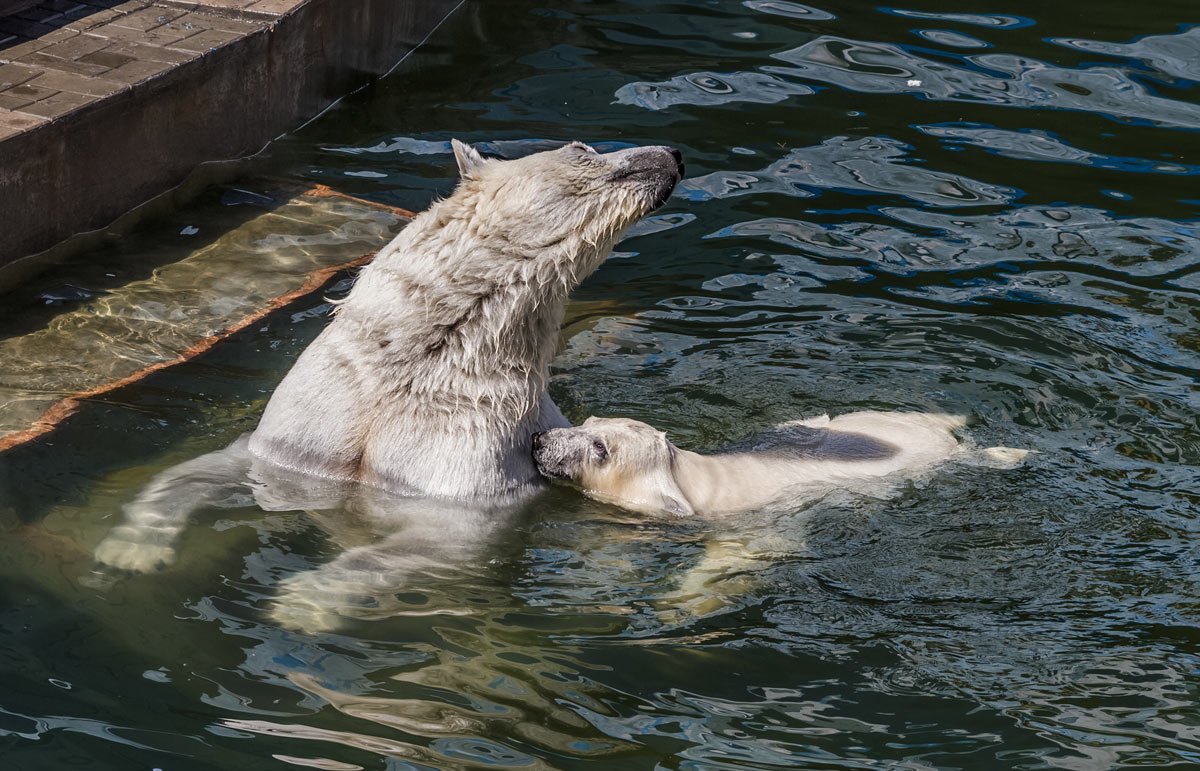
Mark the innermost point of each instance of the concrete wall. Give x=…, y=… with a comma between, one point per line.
x=84, y=169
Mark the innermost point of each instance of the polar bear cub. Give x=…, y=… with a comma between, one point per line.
x=634, y=465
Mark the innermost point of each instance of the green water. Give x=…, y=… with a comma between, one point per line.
x=961, y=207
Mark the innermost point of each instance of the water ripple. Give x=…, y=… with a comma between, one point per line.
x=892, y=238
x=870, y=164
x=1172, y=55
x=978, y=19
x=789, y=9
x=1036, y=145
x=709, y=88
x=1003, y=79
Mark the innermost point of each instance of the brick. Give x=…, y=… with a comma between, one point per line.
x=137, y=71
x=77, y=84
x=160, y=36
x=13, y=53
x=187, y=24
x=45, y=62
x=89, y=17
x=213, y=21
x=30, y=91
x=12, y=101
x=207, y=40
x=13, y=123
x=74, y=48
x=237, y=4
x=16, y=74
x=276, y=7
x=108, y=58
x=59, y=104
x=131, y=6
x=37, y=44
x=151, y=53
x=149, y=18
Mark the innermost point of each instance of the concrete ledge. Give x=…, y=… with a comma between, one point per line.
x=105, y=105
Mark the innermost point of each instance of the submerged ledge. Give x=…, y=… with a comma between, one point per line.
x=272, y=247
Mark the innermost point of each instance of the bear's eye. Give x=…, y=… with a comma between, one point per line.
x=599, y=450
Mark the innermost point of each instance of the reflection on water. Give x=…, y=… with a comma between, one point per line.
x=995, y=78
x=842, y=163
x=955, y=208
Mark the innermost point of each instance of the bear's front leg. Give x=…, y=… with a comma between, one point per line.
x=145, y=541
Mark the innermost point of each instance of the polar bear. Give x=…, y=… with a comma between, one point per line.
x=635, y=466
x=431, y=377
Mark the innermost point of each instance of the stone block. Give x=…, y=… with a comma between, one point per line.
x=151, y=53
x=207, y=40
x=40, y=59
x=13, y=123
x=161, y=35
x=273, y=6
x=16, y=74
x=74, y=47
x=149, y=18
x=77, y=84
x=108, y=58
x=30, y=91
x=13, y=101
x=59, y=104
x=137, y=71
x=14, y=52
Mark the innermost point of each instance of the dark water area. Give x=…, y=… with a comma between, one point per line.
x=973, y=208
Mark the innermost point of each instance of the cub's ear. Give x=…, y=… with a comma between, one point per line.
x=469, y=159
x=678, y=507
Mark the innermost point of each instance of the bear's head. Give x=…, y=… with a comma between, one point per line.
x=569, y=205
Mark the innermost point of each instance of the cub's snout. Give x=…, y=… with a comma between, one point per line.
x=565, y=453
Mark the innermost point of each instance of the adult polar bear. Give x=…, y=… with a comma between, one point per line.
x=431, y=378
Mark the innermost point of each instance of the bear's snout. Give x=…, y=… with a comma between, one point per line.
x=678, y=156
x=558, y=453
x=673, y=177
x=549, y=464
x=654, y=170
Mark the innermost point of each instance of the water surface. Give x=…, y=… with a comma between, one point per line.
x=959, y=207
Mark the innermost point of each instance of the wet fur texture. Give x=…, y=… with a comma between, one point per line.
x=634, y=465
x=432, y=376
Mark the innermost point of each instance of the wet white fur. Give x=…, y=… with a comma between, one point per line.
x=644, y=472
x=432, y=376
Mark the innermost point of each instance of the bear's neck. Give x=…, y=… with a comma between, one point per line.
x=447, y=335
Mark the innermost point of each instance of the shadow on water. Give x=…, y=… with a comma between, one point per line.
x=919, y=207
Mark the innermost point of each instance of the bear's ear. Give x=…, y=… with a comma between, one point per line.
x=469, y=159
x=676, y=506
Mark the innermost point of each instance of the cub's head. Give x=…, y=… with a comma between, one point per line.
x=570, y=204
x=614, y=459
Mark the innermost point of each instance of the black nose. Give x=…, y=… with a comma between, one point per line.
x=537, y=437
x=678, y=156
